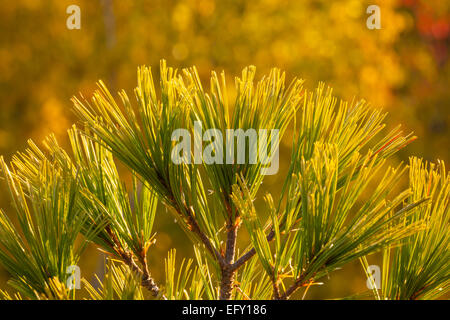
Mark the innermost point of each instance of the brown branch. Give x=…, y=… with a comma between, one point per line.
x=127, y=257
x=249, y=254
x=202, y=236
x=294, y=287
x=225, y=261
x=226, y=284
x=417, y=293
x=194, y=227
x=276, y=290
x=146, y=280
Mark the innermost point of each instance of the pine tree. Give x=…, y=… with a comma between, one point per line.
x=338, y=203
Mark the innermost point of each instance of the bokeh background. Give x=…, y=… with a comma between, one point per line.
x=403, y=68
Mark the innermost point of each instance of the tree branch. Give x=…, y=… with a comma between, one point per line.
x=226, y=284
x=193, y=225
x=276, y=290
x=202, y=236
x=247, y=256
x=294, y=287
x=127, y=257
x=146, y=280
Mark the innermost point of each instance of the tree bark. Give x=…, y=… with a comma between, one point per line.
x=226, y=285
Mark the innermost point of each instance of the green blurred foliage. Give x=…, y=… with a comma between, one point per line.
x=403, y=67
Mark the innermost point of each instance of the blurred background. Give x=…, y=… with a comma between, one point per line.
x=402, y=67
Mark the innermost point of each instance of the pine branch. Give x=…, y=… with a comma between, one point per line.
x=249, y=254
x=194, y=227
x=291, y=290
x=420, y=267
x=319, y=224
x=226, y=284
x=127, y=257
x=276, y=289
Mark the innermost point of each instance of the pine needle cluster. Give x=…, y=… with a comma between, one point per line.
x=339, y=202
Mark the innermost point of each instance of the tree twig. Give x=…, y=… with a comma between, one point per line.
x=194, y=227
x=226, y=284
x=276, y=289
x=249, y=254
x=294, y=287
x=127, y=257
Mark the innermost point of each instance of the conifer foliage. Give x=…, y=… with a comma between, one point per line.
x=340, y=200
